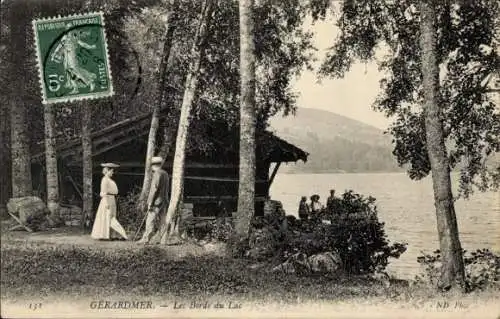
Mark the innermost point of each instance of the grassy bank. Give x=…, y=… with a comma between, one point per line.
x=66, y=264
x=40, y=269
x=148, y=271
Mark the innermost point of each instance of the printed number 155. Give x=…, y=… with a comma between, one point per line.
x=35, y=306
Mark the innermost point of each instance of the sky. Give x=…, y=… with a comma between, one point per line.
x=351, y=96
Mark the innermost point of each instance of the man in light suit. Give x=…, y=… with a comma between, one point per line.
x=158, y=198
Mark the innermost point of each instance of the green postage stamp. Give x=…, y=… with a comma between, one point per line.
x=72, y=56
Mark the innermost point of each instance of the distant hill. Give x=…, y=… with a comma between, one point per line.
x=335, y=143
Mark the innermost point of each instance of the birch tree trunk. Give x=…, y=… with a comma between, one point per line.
x=169, y=224
x=87, y=165
x=246, y=190
x=157, y=103
x=51, y=162
x=452, y=270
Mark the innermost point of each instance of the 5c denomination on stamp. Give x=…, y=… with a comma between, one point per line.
x=72, y=56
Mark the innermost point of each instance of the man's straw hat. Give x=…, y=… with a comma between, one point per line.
x=156, y=160
x=110, y=165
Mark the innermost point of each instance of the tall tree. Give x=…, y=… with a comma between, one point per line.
x=5, y=182
x=87, y=164
x=452, y=268
x=51, y=162
x=246, y=188
x=282, y=51
x=443, y=117
x=135, y=32
x=158, y=100
x=20, y=147
x=169, y=224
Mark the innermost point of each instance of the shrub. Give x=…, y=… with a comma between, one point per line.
x=127, y=213
x=218, y=230
x=354, y=231
x=482, y=269
x=431, y=264
x=221, y=229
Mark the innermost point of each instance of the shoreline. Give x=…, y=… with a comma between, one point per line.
x=402, y=172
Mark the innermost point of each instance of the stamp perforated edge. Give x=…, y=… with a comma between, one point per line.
x=89, y=96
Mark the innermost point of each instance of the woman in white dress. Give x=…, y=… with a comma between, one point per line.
x=105, y=218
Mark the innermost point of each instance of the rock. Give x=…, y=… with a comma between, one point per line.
x=295, y=264
x=29, y=209
x=327, y=262
x=323, y=263
x=286, y=268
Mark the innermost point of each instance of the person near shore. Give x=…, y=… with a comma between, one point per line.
x=333, y=204
x=158, y=198
x=316, y=206
x=303, y=209
x=330, y=200
x=105, y=218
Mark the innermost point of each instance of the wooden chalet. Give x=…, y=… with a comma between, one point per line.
x=211, y=176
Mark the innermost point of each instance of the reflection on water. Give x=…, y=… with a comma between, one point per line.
x=406, y=207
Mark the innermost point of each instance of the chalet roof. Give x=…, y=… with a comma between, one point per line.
x=280, y=150
x=273, y=148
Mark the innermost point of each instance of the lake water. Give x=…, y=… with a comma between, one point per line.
x=406, y=207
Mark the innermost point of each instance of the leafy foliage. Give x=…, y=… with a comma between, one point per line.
x=354, y=231
x=21, y=64
x=134, y=32
x=222, y=229
x=127, y=210
x=282, y=51
x=466, y=55
x=218, y=230
x=482, y=269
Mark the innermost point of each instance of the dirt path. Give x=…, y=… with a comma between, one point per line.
x=73, y=236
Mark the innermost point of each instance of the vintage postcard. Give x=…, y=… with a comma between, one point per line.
x=255, y=159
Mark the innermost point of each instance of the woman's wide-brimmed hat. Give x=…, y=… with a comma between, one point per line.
x=110, y=165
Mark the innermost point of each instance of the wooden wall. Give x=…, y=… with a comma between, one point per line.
x=212, y=188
